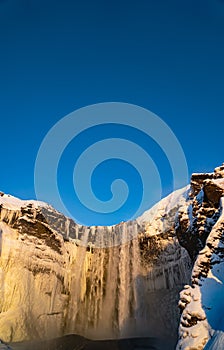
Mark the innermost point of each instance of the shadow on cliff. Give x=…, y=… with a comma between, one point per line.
x=156, y=315
x=212, y=292
x=152, y=324
x=212, y=301
x=75, y=342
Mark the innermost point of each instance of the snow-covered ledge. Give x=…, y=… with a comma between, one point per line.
x=203, y=303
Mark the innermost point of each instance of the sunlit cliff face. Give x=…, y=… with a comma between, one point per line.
x=55, y=280
x=58, y=277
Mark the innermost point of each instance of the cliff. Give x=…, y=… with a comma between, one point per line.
x=200, y=229
x=58, y=277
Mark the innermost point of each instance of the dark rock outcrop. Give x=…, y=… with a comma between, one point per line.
x=195, y=222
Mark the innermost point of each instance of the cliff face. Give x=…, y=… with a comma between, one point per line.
x=200, y=229
x=57, y=277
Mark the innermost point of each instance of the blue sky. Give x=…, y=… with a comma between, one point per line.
x=58, y=56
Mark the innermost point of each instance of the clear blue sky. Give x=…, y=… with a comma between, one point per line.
x=57, y=56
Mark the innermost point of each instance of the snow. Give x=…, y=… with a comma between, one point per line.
x=194, y=336
x=13, y=203
x=175, y=199
x=210, y=275
x=217, y=182
x=205, y=300
x=157, y=219
x=216, y=342
x=212, y=289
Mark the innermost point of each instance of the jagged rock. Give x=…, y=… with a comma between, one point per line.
x=219, y=172
x=200, y=229
x=196, y=220
x=213, y=192
x=197, y=182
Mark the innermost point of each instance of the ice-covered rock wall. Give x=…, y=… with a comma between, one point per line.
x=200, y=228
x=57, y=277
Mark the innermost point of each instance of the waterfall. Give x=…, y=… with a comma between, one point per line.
x=58, y=277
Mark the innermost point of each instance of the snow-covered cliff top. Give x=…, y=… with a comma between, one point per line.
x=13, y=203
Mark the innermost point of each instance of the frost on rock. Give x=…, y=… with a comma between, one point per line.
x=202, y=233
